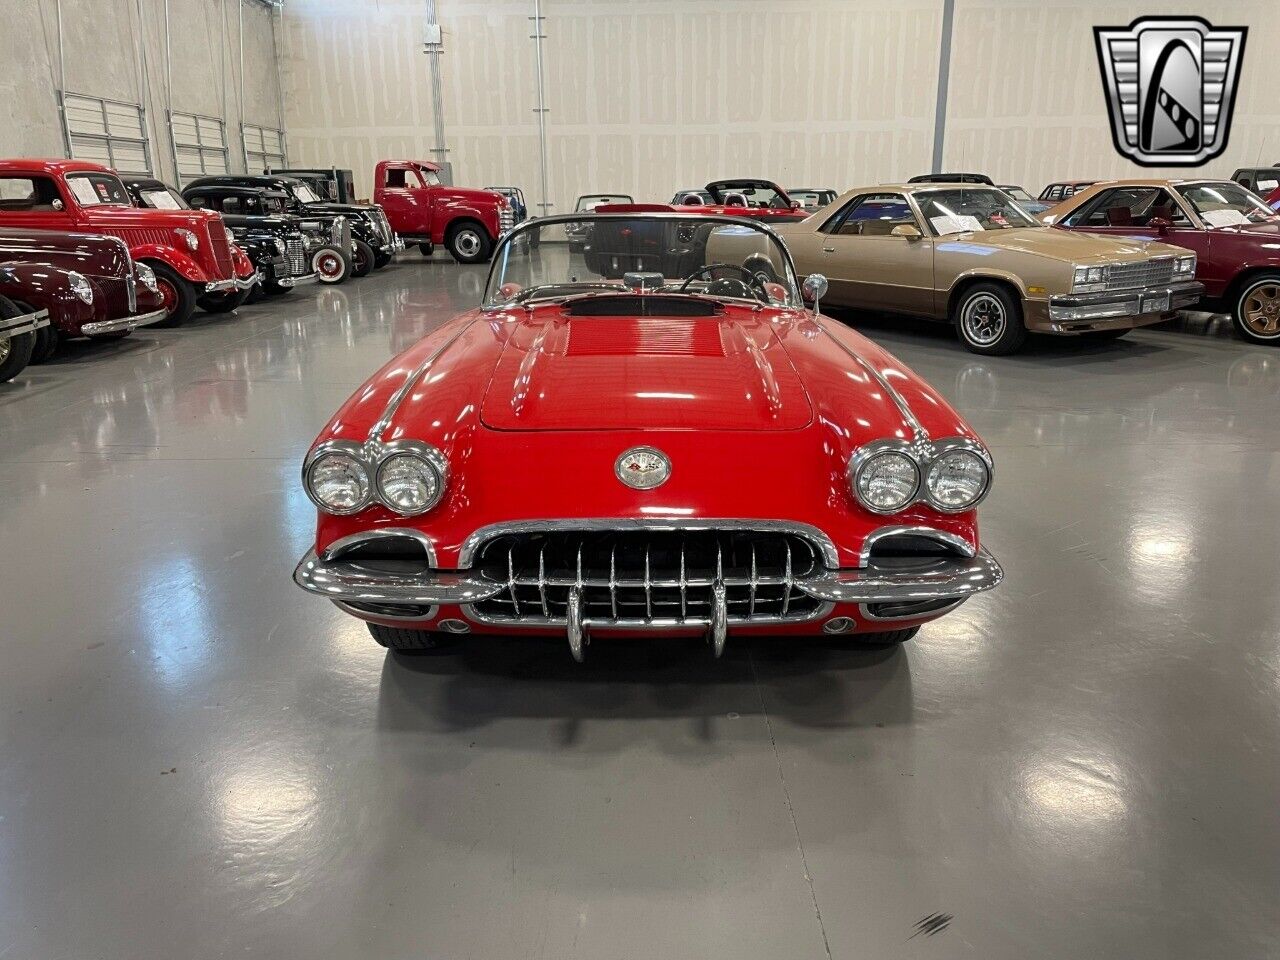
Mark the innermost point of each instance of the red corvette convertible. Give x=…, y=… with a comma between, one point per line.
x=650, y=436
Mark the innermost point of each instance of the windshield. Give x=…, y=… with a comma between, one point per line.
x=961, y=210
x=757, y=196
x=161, y=198
x=303, y=194
x=1226, y=204
x=664, y=253
x=600, y=199
x=98, y=189
x=812, y=199
x=1017, y=193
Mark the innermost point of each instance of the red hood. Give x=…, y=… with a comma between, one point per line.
x=727, y=372
x=467, y=195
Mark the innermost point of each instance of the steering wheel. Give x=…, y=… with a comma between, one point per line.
x=750, y=282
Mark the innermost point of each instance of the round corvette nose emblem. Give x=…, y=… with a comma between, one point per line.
x=642, y=468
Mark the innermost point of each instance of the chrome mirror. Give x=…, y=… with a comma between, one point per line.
x=57, y=205
x=814, y=289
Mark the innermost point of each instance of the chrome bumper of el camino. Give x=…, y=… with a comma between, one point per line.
x=1071, y=313
x=119, y=324
x=27, y=323
x=953, y=578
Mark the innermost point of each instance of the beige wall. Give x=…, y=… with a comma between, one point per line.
x=1026, y=102
x=100, y=40
x=645, y=97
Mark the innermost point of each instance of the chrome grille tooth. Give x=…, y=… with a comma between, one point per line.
x=786, y=586
x=684, y=585
x=648, y=590
x=613, y=580
x=751, y=602
x=511, y=577
x=542, y=579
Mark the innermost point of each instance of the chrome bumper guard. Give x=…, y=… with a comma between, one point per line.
x=131, y=322
x=27, y=323
x=397, y=243
x=952, y=578
x=235, y=283
x=1083, y=309
x=299, y=281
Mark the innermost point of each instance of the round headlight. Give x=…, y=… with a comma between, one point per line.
x=189, y=238
x=957, y=480
x=408, y=484
x=147, y=276
x=338, y=483
x=886, y=482
x=80, y=286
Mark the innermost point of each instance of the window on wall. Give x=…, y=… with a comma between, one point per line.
x=199, y=145
x=263, y=148
x=112, y=132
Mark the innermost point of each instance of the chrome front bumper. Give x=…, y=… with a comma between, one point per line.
x=1084, y=311
x=397, y=243
x=235, y=283
x=27, y=323
x=300, y=281
x=131, y=322
x=944, y=579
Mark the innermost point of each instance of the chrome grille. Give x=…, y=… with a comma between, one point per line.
x=645, y=577
x=506, y=218
x=221, y=246
x=1155, y=272
x=296, y=256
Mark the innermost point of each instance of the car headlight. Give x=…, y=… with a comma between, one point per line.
x=338, y=483
x=1185, y=266
x=409, y=483
x=189, y=238
x=884, y=481
x=957, y=480
x=1088, y=279
x=81, y=287
x=147, y=276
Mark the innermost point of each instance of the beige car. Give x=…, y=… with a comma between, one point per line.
x=971, y=255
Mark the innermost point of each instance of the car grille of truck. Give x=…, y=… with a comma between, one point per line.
x=221, y=248
x=645, y=577
x=296, y=256
x=1155, y=272
x=506, y=219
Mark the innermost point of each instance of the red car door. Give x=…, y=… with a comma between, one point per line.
x=1129, y=212
x=406, y=199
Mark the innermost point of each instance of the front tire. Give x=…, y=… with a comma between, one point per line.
x=15, y=352
x=1256, y=310
x=361, y=259
x=380, y=260
x=177, y=296
x=988, y=320
x=330, y=265
x=411, y=642
x=469, y=243
x=222, y=302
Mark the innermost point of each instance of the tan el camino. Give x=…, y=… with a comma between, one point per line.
x=971, y=255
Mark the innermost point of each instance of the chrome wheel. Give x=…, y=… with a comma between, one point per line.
x=467, y=242
x=983, y=319
x=1260, y=309
x=328, y=266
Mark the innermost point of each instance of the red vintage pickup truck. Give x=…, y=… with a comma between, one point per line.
x=193, y=258
x=424, y=211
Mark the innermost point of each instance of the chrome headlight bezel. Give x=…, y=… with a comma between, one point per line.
x=370, y=458
x=940, y=456
x=1185, y=266
x=189, y=238
x=147, y=277
x=1085, y=279
x=80, y=286
x=923, y=455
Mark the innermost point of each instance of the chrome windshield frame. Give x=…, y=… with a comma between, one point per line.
x=505, y=245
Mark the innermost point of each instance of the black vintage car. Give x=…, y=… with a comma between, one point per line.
x=286, y=254
x=373, y=244
x=327, y=183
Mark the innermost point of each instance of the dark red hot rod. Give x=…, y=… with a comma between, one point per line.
x=656, y=438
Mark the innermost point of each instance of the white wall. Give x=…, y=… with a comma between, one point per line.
x=646, y=98
x=101, y=44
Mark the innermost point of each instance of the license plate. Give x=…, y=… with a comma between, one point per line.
x=1158, y=303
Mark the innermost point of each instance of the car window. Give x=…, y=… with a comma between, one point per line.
x=429, y=178
x=158, y=198
x=601, y=199
x=232, y=205
x=98, y=189
x=872, y=215
x=1226, y=204
x=395, y=179
x=1128, y=207
x=963, y=209
x=28, y=194
x=302, y=193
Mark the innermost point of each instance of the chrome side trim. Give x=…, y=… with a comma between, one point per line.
x=941, y=536
x=471, y=546
x=397, y=398
x=345, y=544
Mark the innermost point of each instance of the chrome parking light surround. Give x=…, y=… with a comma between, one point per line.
x=923, y=452
x=371, y=455
x=952, y=541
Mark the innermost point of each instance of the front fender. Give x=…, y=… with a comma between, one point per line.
x=987, y=272
x=183, y=263
x=449, y=211
x=45, y=290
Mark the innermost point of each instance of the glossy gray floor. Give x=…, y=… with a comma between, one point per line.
x=198, y=760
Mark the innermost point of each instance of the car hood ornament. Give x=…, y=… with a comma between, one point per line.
x=642, y=468
x=1171, y=87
